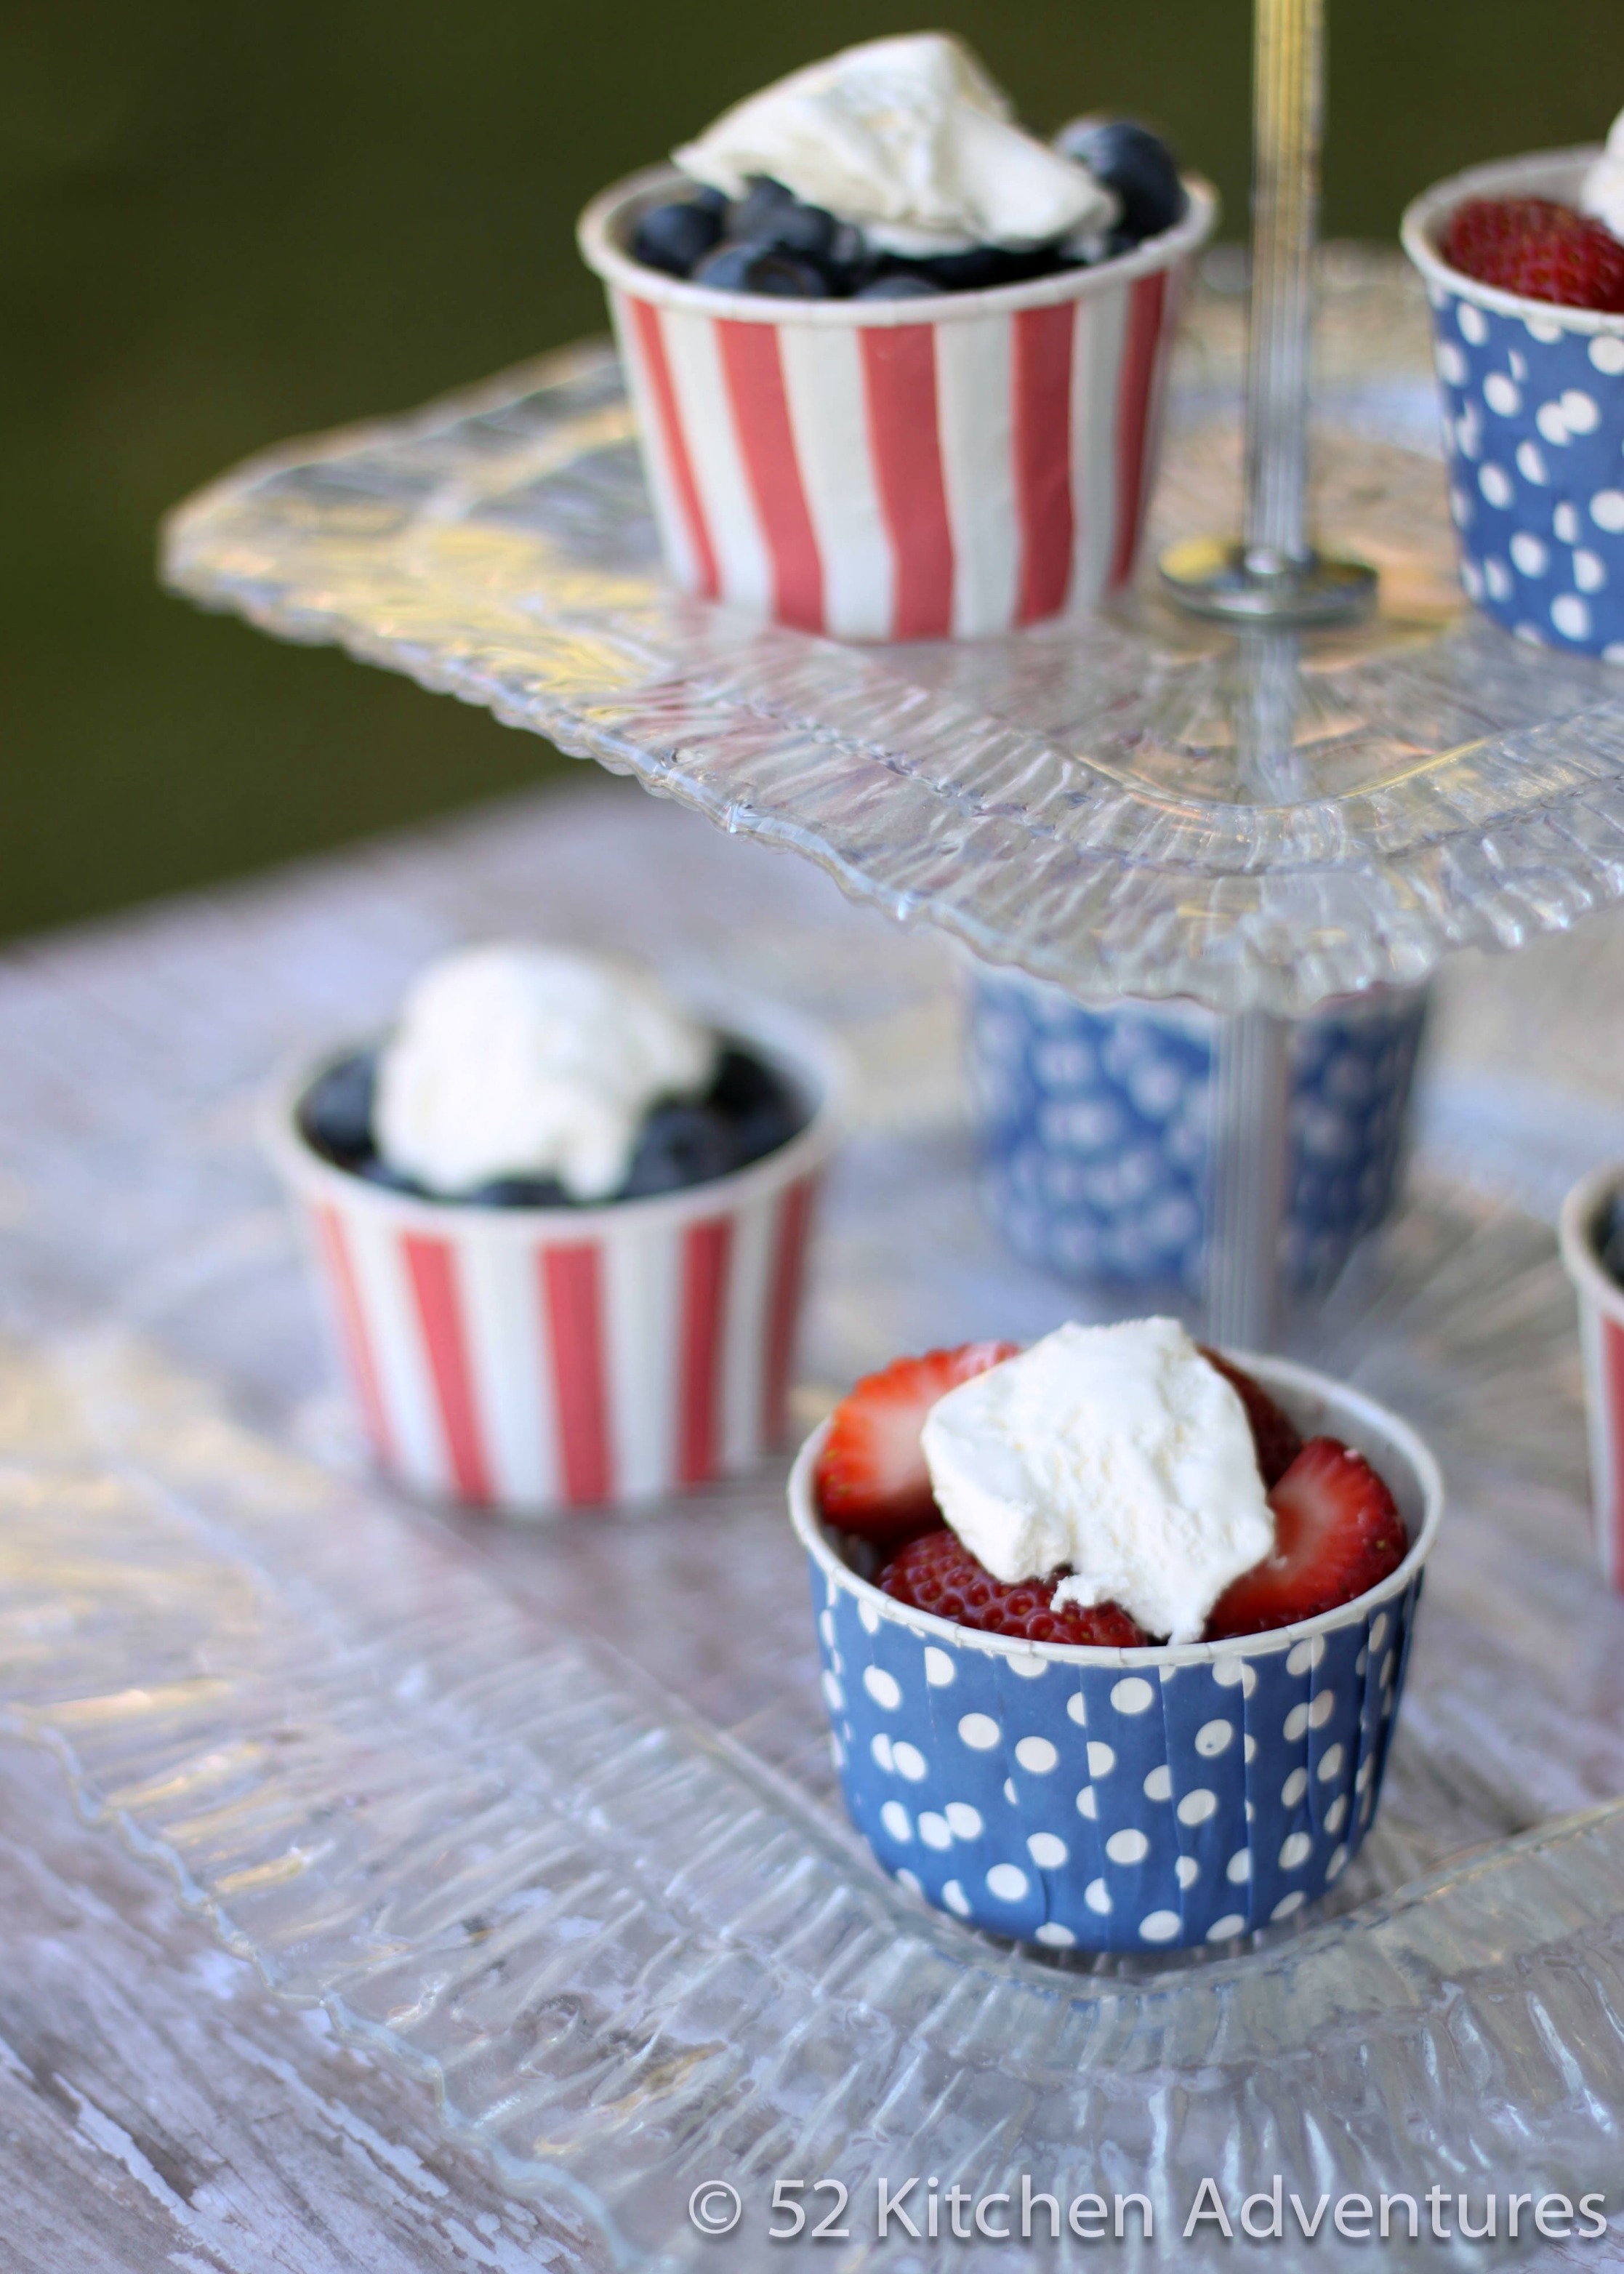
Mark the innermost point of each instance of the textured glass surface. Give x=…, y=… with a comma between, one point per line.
x=630, y=1937
x=548, y=1813
x=1133, y=802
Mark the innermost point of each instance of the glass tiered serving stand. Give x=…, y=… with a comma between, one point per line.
x=635, y=1949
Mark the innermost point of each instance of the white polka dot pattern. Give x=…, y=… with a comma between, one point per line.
x=1534, y=430
x=1097, y=1128
x=1077, y=1804
x=1035, y=1754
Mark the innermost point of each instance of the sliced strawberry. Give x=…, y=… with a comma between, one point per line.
x=1275, y=1436
x=1337, y=1532
x=871, y=1475
x=936, y=1573
x=1538, y=248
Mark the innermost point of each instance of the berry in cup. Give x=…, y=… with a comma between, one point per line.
x=1539, y=249
x=895, y=170
x=1542, y=248
x=1111, y=1486
x=533, y=1077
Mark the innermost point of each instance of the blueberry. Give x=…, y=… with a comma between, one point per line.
x=758, y=268
x=773, y=217
x=680, y=1145
x=751, y=217
x=1609, y=1237
x=848, y=263
x=1136, y=163
x=674, y=236
x=377, y=1172
x=335, y=1113
x=518, y=1192
x=764, y=1109
x=980, y=268
x=898, y=284
x=808, y=232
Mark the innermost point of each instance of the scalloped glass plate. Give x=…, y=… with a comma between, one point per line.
x=1129, y=803
x=547, y=1815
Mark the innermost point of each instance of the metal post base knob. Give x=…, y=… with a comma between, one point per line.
x=1254, y=584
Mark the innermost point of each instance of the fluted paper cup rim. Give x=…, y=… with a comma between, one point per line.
x=807, y=1049
x=1580, y=1260
x=1343, y=1404
x=596, y=235
x=1550, y=173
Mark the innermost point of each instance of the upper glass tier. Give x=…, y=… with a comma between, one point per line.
x=1138, y=801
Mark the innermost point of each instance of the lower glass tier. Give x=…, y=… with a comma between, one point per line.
x=549, y=1816
x=547, y=1813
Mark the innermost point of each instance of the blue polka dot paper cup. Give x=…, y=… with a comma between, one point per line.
x=1109, y=1134
x=1123, y=1799
x=1533, y=419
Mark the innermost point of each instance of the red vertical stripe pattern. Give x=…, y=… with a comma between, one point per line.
x=1612, y=1547
x=651, y=340
x=834, y=505
x=352, y=1322
x=707, y=1249
x=899, y=390
x=706, y=1256
x=431, y=1269
x=1135, y=402
x=573, y=1292
x=755, y=373
x=784, y=1304
x=649, y=1353
x=1042, y=444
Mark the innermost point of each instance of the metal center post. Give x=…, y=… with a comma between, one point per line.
x=1273, y=574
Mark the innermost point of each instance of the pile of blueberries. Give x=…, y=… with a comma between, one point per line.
x=749, y=1110
x=769, y=242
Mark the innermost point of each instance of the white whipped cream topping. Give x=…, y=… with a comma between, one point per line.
x=909, y=138
x=520, y=1061
x=1603, y=194
x=1118, y=1450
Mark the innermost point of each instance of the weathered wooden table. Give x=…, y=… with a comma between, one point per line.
x=159, y=2107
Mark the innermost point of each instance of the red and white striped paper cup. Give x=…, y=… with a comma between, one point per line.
x=1601, y=1338
x=539, y=1360
x=897, y=469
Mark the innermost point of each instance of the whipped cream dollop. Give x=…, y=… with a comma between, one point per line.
x=909, y=138
x=1118, y=1450
x=528, y=1061
x=1602, y=196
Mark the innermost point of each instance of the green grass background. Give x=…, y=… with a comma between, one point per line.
x=223, y=223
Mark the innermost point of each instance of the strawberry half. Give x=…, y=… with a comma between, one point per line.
x=871, y=1473
x=1337, y=1532
x=1275, y=1437
x=1539, y=249
x=936, y=1573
